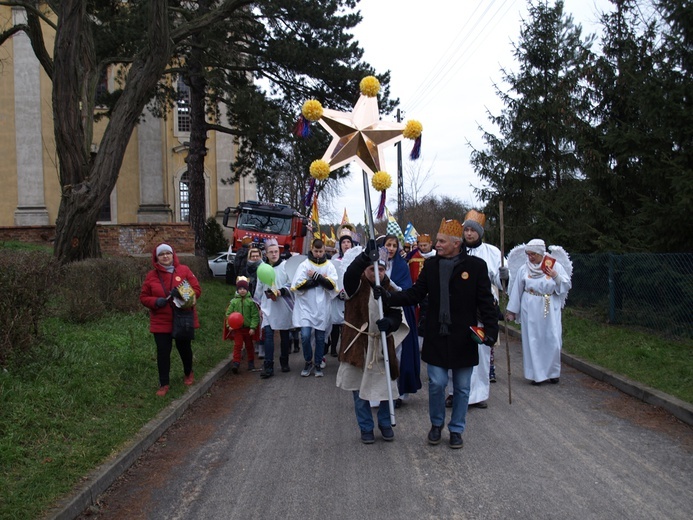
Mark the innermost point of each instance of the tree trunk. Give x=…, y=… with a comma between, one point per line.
x=198, y=139
x=87, y=182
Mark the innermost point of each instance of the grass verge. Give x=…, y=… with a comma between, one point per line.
x=652, y=359
x=87, y=392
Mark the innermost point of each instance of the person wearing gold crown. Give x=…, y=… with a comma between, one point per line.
x=484, y=373
x=458, y=290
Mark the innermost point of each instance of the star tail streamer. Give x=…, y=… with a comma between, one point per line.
x=302, y=127
x=416, y=149
x=308, y=199
x=381, y=205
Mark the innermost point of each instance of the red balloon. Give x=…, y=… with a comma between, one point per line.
x=235, y=320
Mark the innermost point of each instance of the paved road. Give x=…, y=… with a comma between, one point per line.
x=289, y=448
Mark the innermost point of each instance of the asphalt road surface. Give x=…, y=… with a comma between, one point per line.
x=289, y=448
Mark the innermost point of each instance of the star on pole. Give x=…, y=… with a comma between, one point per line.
x=359, y=135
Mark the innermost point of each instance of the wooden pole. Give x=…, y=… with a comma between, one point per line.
x=505, y=320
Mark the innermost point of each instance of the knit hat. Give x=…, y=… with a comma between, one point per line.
x=242, y=283
x=345, y=237
x=536, y=245
x=271, y=242
x=475, y=220
x=163, y=247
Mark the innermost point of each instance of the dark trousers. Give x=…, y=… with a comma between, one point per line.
x=164, y=344
x=284, y=346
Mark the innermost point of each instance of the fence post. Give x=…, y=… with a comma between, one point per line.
x=612, y=289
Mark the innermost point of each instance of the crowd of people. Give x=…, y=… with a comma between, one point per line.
x=429, y=302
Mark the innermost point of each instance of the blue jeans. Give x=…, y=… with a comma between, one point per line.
x=437, y=381
x=308, y=348
x=284, y=347
x=364, y=416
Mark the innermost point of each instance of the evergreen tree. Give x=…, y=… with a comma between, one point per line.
x=533, y=161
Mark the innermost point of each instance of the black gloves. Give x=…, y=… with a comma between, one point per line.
x=324, y=282
x=488, y=340
x=384, y=325
x=160, y=302
x=284, y=291
x=380, y=292
x=176, y=293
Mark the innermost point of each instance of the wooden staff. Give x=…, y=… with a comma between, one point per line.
x=505, y=320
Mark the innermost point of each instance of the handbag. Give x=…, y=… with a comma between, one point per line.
x=183, y=328
x=183, y=324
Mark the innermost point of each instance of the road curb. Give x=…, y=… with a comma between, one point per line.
x=678, y=408
x=99, y=480
x=102, y=477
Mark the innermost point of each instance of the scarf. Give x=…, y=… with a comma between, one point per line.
x=318, y=261
x=446, y=267
x=534, y=270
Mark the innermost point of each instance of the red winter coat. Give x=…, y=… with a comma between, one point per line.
x=161, y=319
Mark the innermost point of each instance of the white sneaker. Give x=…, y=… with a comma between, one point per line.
x=307, y=369
x=323, y=363
x=318, y=372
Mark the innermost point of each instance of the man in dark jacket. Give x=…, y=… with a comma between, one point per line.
x=459, y=295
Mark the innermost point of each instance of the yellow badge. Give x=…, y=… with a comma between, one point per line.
x=465, y=275
x=178, y=278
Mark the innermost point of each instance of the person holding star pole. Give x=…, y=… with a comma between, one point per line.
x=360, y=136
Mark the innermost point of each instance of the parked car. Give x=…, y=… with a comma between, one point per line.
x=220, y=263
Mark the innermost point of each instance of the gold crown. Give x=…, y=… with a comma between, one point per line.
x=424, y=237
x=476, y=217
x=329, y=242
x=452, y=228
x=347, y=229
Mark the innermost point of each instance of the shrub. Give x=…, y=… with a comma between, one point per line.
x=93, y=287
x=214, y=237
x=27, y=280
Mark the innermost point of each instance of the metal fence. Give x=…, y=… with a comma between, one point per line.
x=644, y=289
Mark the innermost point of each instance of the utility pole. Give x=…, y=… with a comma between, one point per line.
x=400, y=178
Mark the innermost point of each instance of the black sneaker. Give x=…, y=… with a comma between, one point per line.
x=234, y=367
x=367, y=437
x=266, y=373
x=286, y=368
x=387, y=433
x=448, y=402
x=434, y=434
x=455, y=440
x=554, y=380
x=480, y=404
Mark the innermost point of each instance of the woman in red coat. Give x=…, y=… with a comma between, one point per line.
x=156, y=294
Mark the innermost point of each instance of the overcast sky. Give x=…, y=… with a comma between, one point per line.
x=444, y=57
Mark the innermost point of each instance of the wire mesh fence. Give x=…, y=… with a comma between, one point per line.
x=644, y=289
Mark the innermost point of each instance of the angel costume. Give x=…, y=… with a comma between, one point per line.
x=536, y=300
x=481, y=385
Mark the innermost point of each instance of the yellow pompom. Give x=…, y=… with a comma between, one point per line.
x=312, y=110
x=370, y=86
x=412, y=130
x=319, y=170
x=381, y=181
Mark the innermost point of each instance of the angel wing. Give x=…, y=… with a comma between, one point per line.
x=516, y=259
x=348, y=257
x=562, y=258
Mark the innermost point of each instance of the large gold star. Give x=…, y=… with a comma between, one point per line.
x=359, y=135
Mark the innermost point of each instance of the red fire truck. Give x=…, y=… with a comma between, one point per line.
x=263, y=220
